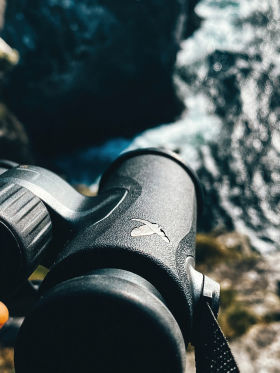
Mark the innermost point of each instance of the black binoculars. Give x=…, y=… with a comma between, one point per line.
x=122, y=294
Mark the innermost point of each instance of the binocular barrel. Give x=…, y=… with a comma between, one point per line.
x=123, y=293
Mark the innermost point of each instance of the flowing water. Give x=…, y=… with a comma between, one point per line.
x=228, y=74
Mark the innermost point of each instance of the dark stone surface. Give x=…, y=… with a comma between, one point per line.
x=95, y=69
x=14, y=143
x=193, y=21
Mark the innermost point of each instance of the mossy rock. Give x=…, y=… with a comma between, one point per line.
x=210, y=252
x=6, y=360
x=232, y=247
x=227, y=298
x=234, y=318
x=239, y=320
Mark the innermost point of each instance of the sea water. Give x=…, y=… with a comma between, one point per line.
x=228, y=75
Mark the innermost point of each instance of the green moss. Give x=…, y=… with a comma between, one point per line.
x=6, y=360
x=248, y=262
x=227, y=298
x=234, y=318
x=208, y=250
x=240, y=320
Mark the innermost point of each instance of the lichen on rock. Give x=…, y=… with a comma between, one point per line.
x=250, y=303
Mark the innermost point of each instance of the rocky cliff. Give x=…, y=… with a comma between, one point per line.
x=250, y=299
x=93, y=69
x=14, y=143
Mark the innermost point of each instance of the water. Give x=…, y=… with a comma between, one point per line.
x=228, y=74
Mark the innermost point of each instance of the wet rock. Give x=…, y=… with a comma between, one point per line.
x=237, y=74
x=93, y=69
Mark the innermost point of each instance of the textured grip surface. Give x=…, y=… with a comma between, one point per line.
x=25, y=231
x=150, y=232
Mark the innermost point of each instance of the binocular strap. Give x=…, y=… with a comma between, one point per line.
x=212, y=353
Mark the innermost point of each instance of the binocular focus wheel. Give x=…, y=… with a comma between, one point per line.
x=25, y=231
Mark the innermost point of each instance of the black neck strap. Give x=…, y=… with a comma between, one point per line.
x=212, y=351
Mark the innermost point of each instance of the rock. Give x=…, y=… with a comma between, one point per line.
x=193, y=19
x=250, y=303
x=8, y=58
x=235, y=80
x=93, y=69
x=6, y=360
x=237, y=242
x=14, y=143
x=258, y=350
x=209, y=250
x=221, y=247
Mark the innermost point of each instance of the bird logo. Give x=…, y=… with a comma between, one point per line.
x=147, y=229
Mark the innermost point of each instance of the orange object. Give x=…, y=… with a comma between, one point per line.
x=4, y=314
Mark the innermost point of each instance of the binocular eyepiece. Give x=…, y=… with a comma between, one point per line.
x=122, y=293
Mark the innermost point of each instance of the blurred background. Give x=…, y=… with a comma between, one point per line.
x=80, y=82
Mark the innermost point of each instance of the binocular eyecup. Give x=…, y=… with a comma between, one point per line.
x=107, y=320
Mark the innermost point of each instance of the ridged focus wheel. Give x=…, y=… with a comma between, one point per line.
x=25, y=231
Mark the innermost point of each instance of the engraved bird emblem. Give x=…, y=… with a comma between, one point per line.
x=147, y=229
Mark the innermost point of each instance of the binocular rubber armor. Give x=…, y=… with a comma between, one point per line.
x=122, y=294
